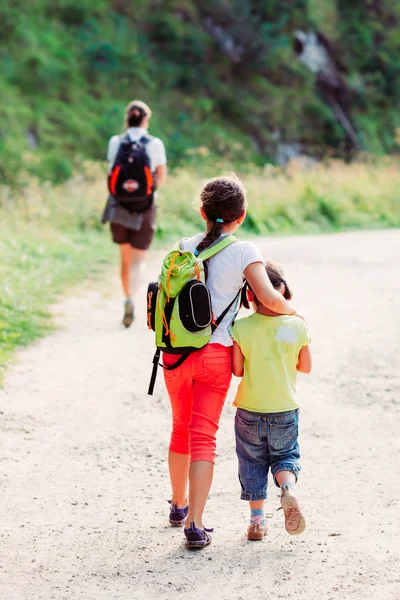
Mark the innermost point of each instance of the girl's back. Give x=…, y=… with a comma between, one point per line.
x=225, y=279
x=271, y=347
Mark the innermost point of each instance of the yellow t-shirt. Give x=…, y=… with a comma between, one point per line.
x=270, y=346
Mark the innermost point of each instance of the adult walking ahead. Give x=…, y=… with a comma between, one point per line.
x=197, y=388
x=137, y=167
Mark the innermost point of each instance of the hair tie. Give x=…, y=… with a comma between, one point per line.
x=219, y=220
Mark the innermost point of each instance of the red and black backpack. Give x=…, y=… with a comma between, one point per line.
x=131, y=181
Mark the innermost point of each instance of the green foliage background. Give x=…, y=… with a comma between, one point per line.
x=69, y=68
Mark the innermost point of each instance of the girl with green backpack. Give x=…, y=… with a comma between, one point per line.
x=198, y=379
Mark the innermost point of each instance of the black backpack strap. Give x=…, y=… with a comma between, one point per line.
x=156, y=360
x=225, y=312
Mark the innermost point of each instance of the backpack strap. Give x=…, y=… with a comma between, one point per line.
x=145, y=139
x=225, y=312
x=217, y=246
x=212, y=251
x=123, y=139
x=156, y=364
x=156, y=360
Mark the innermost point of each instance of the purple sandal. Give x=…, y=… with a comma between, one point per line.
x=196, y=538
x=177, y=516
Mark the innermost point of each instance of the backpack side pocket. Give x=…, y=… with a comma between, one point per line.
x=195, y=310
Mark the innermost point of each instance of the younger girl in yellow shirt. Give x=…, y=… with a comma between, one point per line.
x=268, y=351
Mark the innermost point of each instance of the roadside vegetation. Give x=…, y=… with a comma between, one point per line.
x=35, y=266
x=217, y=74
x=51, y=235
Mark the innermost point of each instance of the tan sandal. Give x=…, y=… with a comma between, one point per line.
x=295, y=522
x=255, y=531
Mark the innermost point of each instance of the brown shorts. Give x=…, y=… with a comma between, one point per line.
x=139, y=239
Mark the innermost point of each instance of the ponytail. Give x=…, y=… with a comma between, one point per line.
x=135, y=112
x=135, y=116
x=287, y=294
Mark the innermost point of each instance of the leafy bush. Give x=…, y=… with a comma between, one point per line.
x=326, y=197
x=217, y=74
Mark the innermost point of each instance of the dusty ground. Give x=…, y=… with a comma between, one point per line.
x=83, y=451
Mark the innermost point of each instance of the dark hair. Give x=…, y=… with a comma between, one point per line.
x=276, y=277
x=135, y=112
x=223, y=201
x=135, y=116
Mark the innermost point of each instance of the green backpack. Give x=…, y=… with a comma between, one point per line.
x=179, y=305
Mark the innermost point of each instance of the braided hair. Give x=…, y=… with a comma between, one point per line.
x=223, y=201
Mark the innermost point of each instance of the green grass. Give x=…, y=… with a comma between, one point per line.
x=327, y=198
x=69, y=68
x=34, y=270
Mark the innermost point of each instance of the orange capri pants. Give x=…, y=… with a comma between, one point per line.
x=197, y=390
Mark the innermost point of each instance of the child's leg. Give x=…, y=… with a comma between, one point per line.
x=284, y=452
x=257, y=512
x=258, y=525
x=212, y=375
x=251, y=450
x=179, y=385
x=287, y=477
x=179, y=475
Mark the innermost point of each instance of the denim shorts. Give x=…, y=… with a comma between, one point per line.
x=265, y=441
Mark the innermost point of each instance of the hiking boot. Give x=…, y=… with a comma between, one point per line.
x=295, y=522
x=196, y=538
x=129, y=313
x=177, y=516
x=256, y=531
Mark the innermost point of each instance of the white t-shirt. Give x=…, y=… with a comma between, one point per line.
x=225, y=278
x=155, y=148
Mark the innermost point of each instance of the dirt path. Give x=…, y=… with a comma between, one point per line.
x=83, y=452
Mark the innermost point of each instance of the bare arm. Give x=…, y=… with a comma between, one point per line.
x=304, y=361
x=237, y=360
x=264, y=290
x=161, y=174
x=112, y=150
